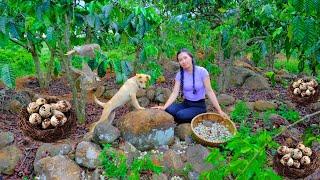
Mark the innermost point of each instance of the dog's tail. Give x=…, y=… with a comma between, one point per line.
x=98, y=102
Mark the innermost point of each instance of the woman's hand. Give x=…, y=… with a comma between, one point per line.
x=159, y=107
x=223, y=114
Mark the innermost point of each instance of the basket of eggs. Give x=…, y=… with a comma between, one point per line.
x=47, y=120
x=211, y=129
x=296, y=162
x=304, y=91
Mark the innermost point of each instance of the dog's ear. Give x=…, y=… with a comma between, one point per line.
x=139, y=76
x=148, y=77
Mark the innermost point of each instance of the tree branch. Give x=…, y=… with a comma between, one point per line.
x=300, y=120
x=19, y=43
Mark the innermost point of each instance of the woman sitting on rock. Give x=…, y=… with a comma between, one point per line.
x=194, y=81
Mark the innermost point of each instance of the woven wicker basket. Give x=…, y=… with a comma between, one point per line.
x=292, y=172
x=46, y=135
x=215, y=118
x=303, y=100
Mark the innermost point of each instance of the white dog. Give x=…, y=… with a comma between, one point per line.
x=126, y=93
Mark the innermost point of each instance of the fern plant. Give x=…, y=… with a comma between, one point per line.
x=114, y=164
x=240, y=113
x=288, y=113
x=244, y=157
x=303, y=32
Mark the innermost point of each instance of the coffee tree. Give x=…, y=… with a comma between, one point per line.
x=303, y=32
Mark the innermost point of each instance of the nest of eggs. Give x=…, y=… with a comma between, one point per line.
x=297, y=162
x=47, y=120
x=304, y=91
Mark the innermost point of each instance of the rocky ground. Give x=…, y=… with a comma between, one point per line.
x=27, y=162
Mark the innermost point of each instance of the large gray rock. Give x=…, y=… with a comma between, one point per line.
x=130, y=152
x=315, y=106
x=146, y=129
x=183, y=131
x=196, y=157
x=151, y=93
x=171, y=66
x=50, y=150
x=15, y=106
x=256, y=82
x=238, y=76
x=6, y=138
x=144, y=101
x=162, y=95
x=262, y=105
x=58, y=168
x=9, y=157
x=225, y=99
x=141, y=93
x=105, y=133
x=172, y=160
x=87, y=154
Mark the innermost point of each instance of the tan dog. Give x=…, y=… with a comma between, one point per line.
x=126, y=93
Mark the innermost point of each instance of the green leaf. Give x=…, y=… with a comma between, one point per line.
x=90, y=19
x=311, y=34
x=309, y=6
x=102, y=68
x=277, y=32
x=57, y=68
x=301, y=63
x=298, y=5
x=4, y=39
x=29, y=22
x=298, y=29
x=3, y=22
x=106, y=10
x=13, y=31
x=93, y=64
x=117, y=37
x=287, y=47
x=290, y=32
x=127, y=68
x=7, y=76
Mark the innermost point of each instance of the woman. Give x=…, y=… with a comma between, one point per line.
x=195, y=83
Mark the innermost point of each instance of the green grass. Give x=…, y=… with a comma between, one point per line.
x=19, y=59
x=292, y=66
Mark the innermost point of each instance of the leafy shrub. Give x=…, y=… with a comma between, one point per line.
x=311, y=134
x=240, y=113
x=289, y=114
x=20, y=60
x=244, y=157
x=143, y=164
x=291, y=66
x=114, y=164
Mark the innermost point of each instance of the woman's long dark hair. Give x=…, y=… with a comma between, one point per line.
x=182, y=74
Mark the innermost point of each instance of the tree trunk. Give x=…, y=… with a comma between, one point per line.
x=50, y=65
x=67, y=64
x=225, y=68
x=136, y=62
x=42, y=81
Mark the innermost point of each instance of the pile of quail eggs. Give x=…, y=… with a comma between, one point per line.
x=212, y=131
x=295, y=157
x=48, y=115
x=304, y=88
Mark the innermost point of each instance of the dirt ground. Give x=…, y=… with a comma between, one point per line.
x=59, y=87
